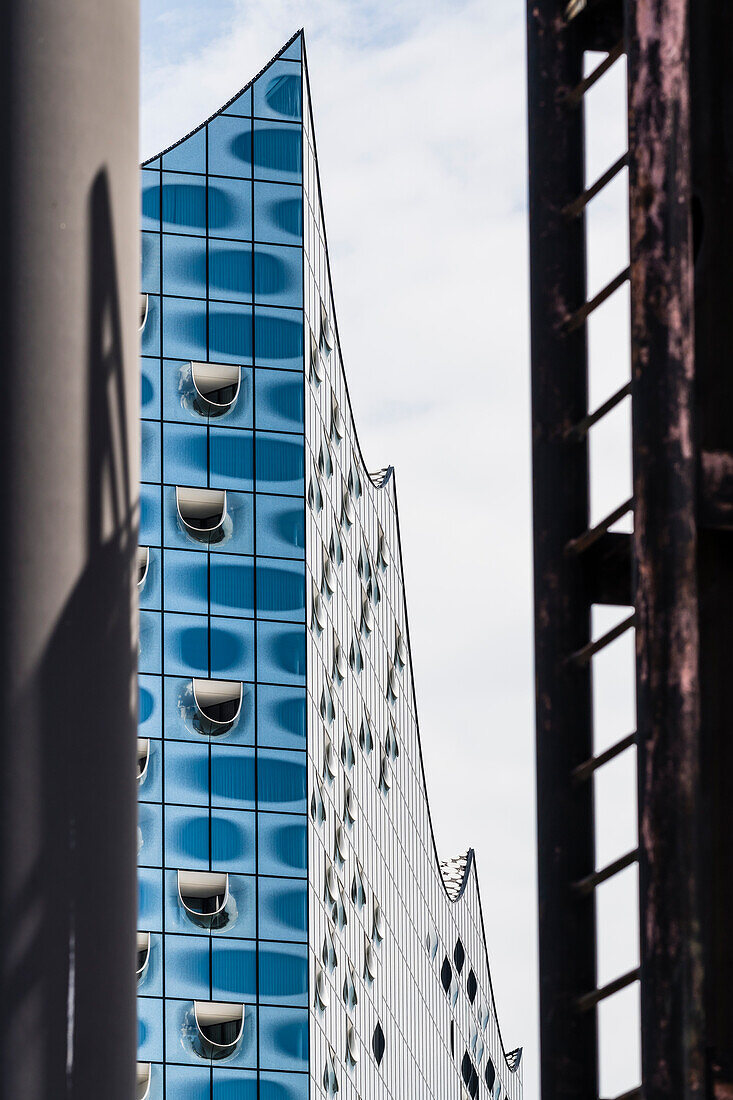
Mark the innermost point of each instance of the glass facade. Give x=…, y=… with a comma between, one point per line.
x=298, y=936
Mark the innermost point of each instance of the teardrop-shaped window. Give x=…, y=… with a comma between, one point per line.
x=318, y=617
x=341, y=846
x=143, y=314
x=323, y=991
x=204, y=896
x=143, y=954
x=400, y=649
x=142, y=1082
x=218, y=705
x=216, y=387
x=337, y=421
x=220, y=1026
x=326, y=331
x=316, y=365
x=352, y=1044
x=202, y=512
x=367, y=617
x=386, y=773
x=143, y=564
x=329, y=761
x=143, y=758
x=370, y=962
x=349, y=805
x=379, y=922
x=348, y=514
x=378, y=1044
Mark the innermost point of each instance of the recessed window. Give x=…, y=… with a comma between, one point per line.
x=202, y=512
x=323, y=989
x=216, y=387
x=379, y=927
x=431, y=942
x=143, y=954
x=329, y=761
x=466, y=1068
x=392, y=683
x=349, y=991
x=330, y=1077
x=339, y=661
x=339, y=912
x=352, y=1044
x=349, y=805
x=382, y=552
x=370, y=962
x=341, y=845
x=326, y=331
x=366, y=734
x=490, y=1075
x=318, y=806
x=358, y=890
x=348, y=752
x=356, y=657
x=143, y=312
x=218, y=705
x=325, y=462
x=204, y=896
x=219, y=1027
x=471, y=986
x=327, y=709
x=459, y=956
x=318, y=615
x=373, y=590
x=367, y=617
x=364, y=565
x=331, y=884
x=336, y=547
x=348, y=514
x=378, y=1044
x=386, y=773
x=337, y=421
x=400, y=650
x=315, y=493
x=391, y=744
x=143, y=758
x=315, y=362
x=354, y=480
x=328, y=583
x=446, y=974
x=328, y=952
x=142, y=1082
x=143, y=564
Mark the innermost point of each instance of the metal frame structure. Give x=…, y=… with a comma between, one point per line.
x=675, y=572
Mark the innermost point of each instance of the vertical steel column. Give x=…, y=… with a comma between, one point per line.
x=68, y=501
x=562, y=604
x=665, y=547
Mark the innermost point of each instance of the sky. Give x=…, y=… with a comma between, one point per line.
x=419, y=110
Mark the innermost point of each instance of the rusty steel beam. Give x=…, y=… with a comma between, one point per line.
x=665, y=549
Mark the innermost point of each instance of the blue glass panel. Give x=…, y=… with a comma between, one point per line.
x=150, y=899
x=230, y=146
x=281, y=780
x=149, y=450
x=277, y=1087
x=184, y=266
x=150, y=388
x=278, y=214
x=186, y=645
x=232, y=649
x=231, y=458
x=293, y=50
x=280, y=462
x=230, y=333
x=149, y=515
x=283, y=1038
x=232, y=585
x=186, y=581
x=150, y=706
x=186, y=837
x=179, y=710
x=150, y=593
x=189, y=155
x=233, y=841
x=279, y=400
x=183, y=202
x=281, y=590
x=150, y=262
x=187, y=967
x=284, y=974
x=280, y=654
x=279, y=338
x=186, y=1083
x=187, y=772
x=150, y=336
x=184, y=329
x=230, y=1084
x=230, y=208
x=232, y=777
x=279, y=275
x=281, y=717
x=150, y=200
x=150, y=642
x=242, y=105
x=149, y=836
x=277, y=92
x=278, y=151
x=151, y=983
x=283, y=909
x=234, y=971
x=239, y=540
x=230, y=271
x=185, y=454
x=283, y=845
x=241, y=923
x=151, y=789
x=149, y=1029
x=280, y=527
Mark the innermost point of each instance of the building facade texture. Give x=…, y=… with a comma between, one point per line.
x=298, y=936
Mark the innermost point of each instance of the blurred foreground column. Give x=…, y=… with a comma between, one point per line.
x=68, y=501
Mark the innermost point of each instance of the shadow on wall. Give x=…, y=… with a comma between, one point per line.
x=70, y=883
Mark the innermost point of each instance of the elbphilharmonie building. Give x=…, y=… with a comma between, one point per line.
x=298, y=936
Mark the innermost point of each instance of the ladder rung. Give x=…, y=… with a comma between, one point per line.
x=582, y=656
x=577, y=546
x=590, y=1000
x=585, y=770
x=588, y=884
x=578, y=205
x=583, y=426
x=580, y=315
x=573, y=98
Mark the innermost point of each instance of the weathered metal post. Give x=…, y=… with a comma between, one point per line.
x=68, y=500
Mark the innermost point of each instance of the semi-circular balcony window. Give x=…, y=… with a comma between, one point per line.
x=219, y=1027
x=143, y=564
x=352, y=1044
x=315, y=360
x=218, y=705
x=204, y=896
x=142, y=1081
x=326, y=332
x=143, y=954
x=143, y=312
x=202, y=512
x=143, y=758
x=216, y=387
x=323, y=989
x=378, y=1044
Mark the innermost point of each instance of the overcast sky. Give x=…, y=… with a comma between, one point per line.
x=420, y=123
